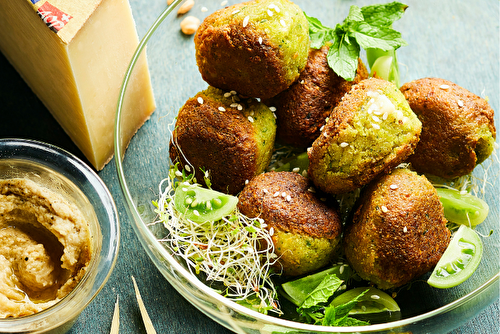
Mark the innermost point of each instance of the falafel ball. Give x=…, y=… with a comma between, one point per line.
x=398, y=231
x=306, y=231
x=257, y=48
x=232, y=145
x=458, y=130
x=303, y=108
x=370, y=132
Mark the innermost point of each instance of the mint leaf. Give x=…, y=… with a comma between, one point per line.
x=383, y=15
x=338, y=315
x=355, y=15
x=343, y=56
x=318, y=33
x=369, y=36
x=323, y=292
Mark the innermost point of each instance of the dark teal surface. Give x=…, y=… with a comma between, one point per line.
x=466, y=53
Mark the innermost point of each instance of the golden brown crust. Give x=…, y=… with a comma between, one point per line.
x=303, y=213
x=452, y=119
x=223, y=143
x=398, y=231
x=304, y=106
x=348, y=177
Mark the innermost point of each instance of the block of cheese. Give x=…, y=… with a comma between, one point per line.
x=73, y=55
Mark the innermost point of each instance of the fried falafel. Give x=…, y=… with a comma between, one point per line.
x=257, y=48
x=398, y=231
x=303, y=108
x=458, y=130
x=370, y=132
x=232, y=145
x=305, y=230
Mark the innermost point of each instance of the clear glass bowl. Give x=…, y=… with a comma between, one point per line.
x=175, y=78
x=67, y=175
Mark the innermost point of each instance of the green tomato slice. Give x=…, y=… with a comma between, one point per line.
x=459, y=261
x=462, y=208
x=384, y=65
x=201, y=205
x=373, y=301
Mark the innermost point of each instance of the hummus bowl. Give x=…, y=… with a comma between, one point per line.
x=175, y=78
x=74, y=242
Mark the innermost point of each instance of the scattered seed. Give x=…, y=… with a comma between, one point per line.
x=444, y=87
x=344, y=144
x=296, y=170
x=223, y=3
x=288, y=198
x=239, y=107
x=234, y=105
x=276, y=194
x=283, y=23
x=321, y=128
x=376, y=126
x=460, y=103
x=227, y=94
x=233, y=92
x=274, y=115
x=375, y=297
x=273, y=109
x=246, y=181
x=250, y=118
x=260, y=40
x=265, y=191
x=405, y=229
x=204, y=9
x=187, y=168
x=304, y=173
x=363, y=307
x=270, y=13
x=236, y=12
x=245, y=21
x=376, y=119
x=222, y=109
x=302, y=81
x=283, y=194
x=235, y=98
x=271, y=231
x=393, y=186
x=384, y=208
x=185, y=7
x=341, y=269
x=200, y=100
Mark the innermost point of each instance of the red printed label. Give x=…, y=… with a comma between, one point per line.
x=53, y=17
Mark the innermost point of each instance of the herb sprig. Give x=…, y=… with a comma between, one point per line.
x=369, y=27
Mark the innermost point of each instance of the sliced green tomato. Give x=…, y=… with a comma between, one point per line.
x=200, y=204
x=461, y=208
x=384, y=65
x=373, y=301
x=459, y=260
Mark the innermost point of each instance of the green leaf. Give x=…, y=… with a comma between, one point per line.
x=355, y=15
x=375, y=37
x=338, y=315
x=343, y=56
x=383, y=15
x=323, y=292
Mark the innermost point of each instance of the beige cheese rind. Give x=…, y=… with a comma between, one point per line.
x=79, y=77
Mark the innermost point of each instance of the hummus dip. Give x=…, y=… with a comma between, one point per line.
x=44, y=247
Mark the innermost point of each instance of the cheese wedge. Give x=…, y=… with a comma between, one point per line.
x=73, y=55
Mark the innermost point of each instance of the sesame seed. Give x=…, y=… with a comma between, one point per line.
x=234, y=105
x=343, y=287
x=227, y=94
x=252, y=113
x=302, y=81
x=245, y=21
x=283, y=23
x=444, y=87
x=405, y=229
x=277, y=9
x=405, y=119
x=384, y=117
x=393, y=186
x=200, y=100
x=274, y=115
x=272, y=6
x=270, y=13
x=304, y=173
x=271, y=231
x=309, y=149
x=376, y=126
x=276, y=194
x=321, y=128
x=204, y=9
x=233, y=92
x=265, y=191
x=341, y=269
x=344, y=144
x=260, y=40
x=378, y=112
x=384, y=208
x=235, y=98
x=273, y=109
x=250, y=118
x=460, y=103
x=236, y=12
x=325, y=134
x=223, y=3
x=239, y=107
x=283, y=194
x=376, y=119
x=288, y=198
x=222, y=109
x=375, y=297
x=296, y=170
x=311, y=190
x=246, y=181
x=187, y=168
